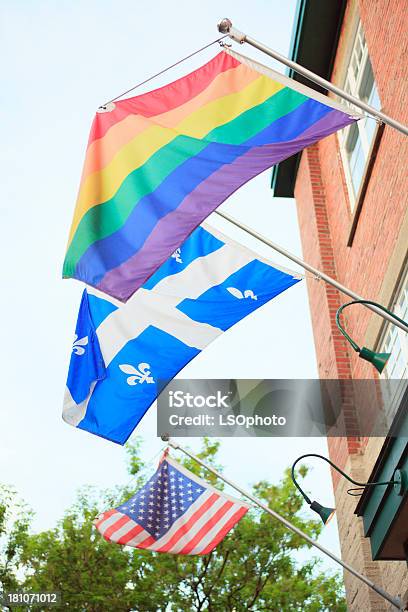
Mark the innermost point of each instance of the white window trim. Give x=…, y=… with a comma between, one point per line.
x=403, y=337
x=393, y=390
x=342, y=135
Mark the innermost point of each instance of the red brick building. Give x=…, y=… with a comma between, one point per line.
x=351, y=193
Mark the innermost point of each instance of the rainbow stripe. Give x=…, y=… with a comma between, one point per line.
x=158, y=164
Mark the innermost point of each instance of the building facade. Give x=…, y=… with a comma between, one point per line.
x=351, y=193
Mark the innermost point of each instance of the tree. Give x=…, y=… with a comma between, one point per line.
x=254, y=568
x=14, y=523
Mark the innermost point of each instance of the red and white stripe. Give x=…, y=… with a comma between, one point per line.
x=206, y=522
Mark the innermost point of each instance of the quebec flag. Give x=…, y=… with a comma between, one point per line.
x=124, y=354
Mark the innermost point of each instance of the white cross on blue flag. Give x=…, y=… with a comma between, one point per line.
x=175, y=512
x=123, y=354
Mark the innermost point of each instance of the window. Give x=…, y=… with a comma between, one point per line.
x=356, y=140
x=395, y=340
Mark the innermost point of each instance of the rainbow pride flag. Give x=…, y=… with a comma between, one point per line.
x=159, y=163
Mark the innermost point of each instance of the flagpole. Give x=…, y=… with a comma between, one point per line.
x=309, y=268
x=225, y=27
x=393, y=600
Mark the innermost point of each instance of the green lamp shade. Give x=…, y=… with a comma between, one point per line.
x=326, y=514
x=379, y=360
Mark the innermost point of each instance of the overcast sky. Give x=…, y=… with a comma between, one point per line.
x=64, y=59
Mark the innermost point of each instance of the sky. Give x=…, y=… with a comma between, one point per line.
x=64, y=59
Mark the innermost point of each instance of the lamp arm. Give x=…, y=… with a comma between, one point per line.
x=334, y=466
x=341, y=328
x=370, y=302
x=299, y=488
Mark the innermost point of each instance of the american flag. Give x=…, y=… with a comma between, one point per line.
x=175, y=512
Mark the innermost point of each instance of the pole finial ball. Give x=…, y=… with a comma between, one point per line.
x=224, y=25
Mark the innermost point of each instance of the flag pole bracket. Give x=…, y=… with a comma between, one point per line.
x=225, y=27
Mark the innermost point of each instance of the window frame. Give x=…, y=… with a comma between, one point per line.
x=393, y=389
x=351, y=84
x=402, y=287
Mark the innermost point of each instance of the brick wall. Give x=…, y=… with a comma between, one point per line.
x=325, y=219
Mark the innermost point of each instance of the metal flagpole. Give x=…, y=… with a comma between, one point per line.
x=393, y=600
x=225, y=27
x=315, y=271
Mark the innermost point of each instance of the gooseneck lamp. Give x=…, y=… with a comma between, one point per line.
x=379, y=360
x=327, y=513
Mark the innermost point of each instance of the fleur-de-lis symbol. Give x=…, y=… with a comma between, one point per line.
x=177, y=255
x=78, y=345
x=248, y=293
x=139, y=375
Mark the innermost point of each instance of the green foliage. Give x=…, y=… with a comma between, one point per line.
x=208, y=454
x=135, y=462
x=15, y=519
x=254, y=568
